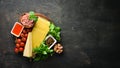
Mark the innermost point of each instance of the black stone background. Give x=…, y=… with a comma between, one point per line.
x=90, y=32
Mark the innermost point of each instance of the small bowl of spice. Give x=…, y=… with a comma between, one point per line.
x=50, y=41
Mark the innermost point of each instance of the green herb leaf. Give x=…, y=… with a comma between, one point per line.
x=31, y=13
x=55, y=31
x=52, y=26
x=42, y=52
x=32, y=16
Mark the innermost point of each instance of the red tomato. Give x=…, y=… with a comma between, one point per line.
x=22, y=44
x=24, y=39
x=26, y=35
x=22, y=35
x=24, y=31
x=21, y=49
x=28, y=30
x=17, y=45
x=18, y=40
x=16, y=50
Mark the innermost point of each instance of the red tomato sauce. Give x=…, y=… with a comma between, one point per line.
x=16, y=30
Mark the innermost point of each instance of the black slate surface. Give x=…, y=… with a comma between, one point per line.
x=90, y=32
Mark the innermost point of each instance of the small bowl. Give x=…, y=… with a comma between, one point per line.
x=50, y=36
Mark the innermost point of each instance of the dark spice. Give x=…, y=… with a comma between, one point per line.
x=49, y=41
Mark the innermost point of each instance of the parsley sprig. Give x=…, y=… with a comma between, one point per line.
x=42, y=52
x=55, y=31
x=32, y=16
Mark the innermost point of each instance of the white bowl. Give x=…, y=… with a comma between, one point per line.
x=53, y=42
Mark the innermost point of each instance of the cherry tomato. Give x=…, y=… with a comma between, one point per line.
x=22, y=34
x=24, y=31
x=24, y=39
x=26, y=35
x=22, y=44
x=16, y=50
x=18, y=40
x=21, y=49
x=28, y=30
x=17, y=45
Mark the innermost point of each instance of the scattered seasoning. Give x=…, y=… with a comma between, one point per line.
x=17, y=29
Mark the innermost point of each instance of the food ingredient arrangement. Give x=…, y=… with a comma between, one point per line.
x=37, y=37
